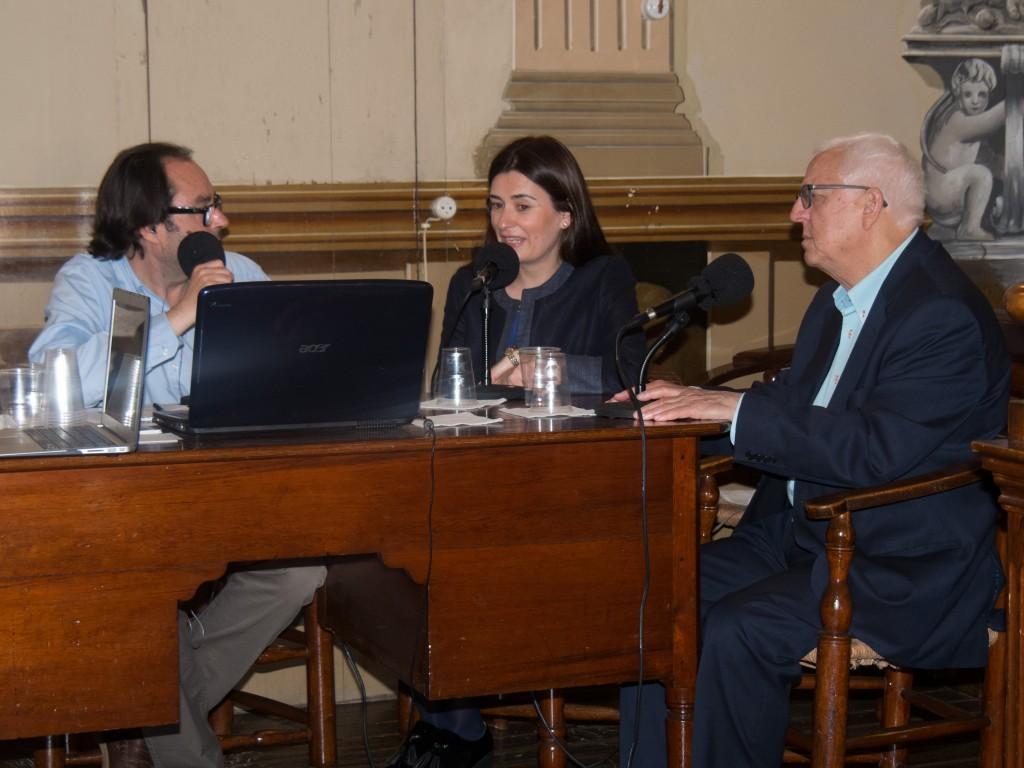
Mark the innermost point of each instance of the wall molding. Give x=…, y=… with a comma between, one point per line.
x=355, y=221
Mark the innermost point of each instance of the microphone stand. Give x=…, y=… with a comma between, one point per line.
x=679, y=321
x=487, y=328
x=486, y=390
x=627, y=409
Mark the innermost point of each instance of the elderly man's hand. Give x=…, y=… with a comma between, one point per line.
x=664, y=401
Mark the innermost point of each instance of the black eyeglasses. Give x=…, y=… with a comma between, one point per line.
x=206, y=210
x=806, y=193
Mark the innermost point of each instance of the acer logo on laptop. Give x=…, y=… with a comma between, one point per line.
x=313, y=349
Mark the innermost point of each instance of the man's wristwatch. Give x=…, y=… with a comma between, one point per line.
x=512, y=353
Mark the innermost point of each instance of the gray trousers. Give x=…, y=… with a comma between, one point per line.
x=216, y=650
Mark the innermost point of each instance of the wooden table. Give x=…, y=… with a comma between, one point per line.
x=532, y=545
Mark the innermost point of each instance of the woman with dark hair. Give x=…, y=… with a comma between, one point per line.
x=571, y=291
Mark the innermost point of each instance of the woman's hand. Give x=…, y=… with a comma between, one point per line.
x=503, y=372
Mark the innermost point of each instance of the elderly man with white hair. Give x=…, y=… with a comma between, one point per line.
x=898, y=365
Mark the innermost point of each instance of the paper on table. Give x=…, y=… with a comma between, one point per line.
x=156, y=436
x=464, y=418
x=544, y=413
x=468, y=405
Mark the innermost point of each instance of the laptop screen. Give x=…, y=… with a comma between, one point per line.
x=287, y=354
x=129, y=327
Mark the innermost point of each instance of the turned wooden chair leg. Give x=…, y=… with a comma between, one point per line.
x=895, y=712
x=993, y=738
x=320, y=707
x=51, y=753
x=222, y=718
x=833, y=671
x=407, y=715
x=549, y=753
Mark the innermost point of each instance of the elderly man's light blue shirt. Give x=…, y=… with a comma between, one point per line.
x=78, y=315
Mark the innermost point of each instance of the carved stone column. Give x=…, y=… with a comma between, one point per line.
x=597, y=75
x=971, y=138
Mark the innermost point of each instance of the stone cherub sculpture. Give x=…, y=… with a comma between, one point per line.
x=970, y=15
x=958, y=186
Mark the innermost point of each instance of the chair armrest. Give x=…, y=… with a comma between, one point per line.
x=715, y=465
x=919, y=486
x=746, y=362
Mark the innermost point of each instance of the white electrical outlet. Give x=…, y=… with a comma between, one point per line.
x=443, y=207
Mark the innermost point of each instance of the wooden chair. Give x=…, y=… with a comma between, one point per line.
x=829, y=744
x=837, y=653
x=313, y=645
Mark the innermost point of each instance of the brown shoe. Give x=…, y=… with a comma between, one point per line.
x=126, y=753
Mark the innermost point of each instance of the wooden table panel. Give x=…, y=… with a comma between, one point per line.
x=533, y=549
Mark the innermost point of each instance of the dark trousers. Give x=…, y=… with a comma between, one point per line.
x=759, y=617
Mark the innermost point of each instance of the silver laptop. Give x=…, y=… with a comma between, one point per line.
x=117, y=427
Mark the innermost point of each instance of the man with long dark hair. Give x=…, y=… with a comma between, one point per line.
x=152, y=197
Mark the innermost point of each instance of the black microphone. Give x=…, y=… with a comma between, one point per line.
x=724, y=281
x=495, y=265
x=197, y=248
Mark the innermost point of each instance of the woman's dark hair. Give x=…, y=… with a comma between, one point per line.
x=550, y=165
x=134, y=193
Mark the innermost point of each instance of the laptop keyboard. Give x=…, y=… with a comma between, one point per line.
x=70, y=438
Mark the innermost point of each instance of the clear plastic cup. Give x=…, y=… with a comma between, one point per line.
x=548, y=387
x=62, y=386
x=21, y=394
x=456, y=385
x=527, y=363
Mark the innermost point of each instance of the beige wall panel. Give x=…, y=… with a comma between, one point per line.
x=795, y=286
x=464, y=51
x=72, y=86
x=431, y=117
x=585, y=36
x=767, y=82
x=476, y=65
x=21, y=304
x=245, y=83
x=372, y=90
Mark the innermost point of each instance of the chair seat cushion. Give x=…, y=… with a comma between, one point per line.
x=863, y=655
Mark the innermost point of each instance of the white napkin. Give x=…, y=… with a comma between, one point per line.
x=463, y=418
x=156, y=436
x=467, y=405
x=544, y=413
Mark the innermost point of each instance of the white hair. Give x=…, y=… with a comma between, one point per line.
x=878, y=160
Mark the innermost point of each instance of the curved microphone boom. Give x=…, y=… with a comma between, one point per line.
x=197, y=248
x=726, y=280
x=495, y=265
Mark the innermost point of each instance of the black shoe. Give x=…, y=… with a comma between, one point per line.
x=430, y=747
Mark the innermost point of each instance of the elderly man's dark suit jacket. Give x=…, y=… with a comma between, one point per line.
x=929, y=374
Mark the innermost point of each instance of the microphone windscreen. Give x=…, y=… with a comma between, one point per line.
x=729, y=280
x=503, y=257
x=197, y=248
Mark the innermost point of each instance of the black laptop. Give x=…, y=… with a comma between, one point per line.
x=301, y=354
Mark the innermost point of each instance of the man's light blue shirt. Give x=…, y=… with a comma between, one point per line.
x=78, y=315
x=854, y=305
